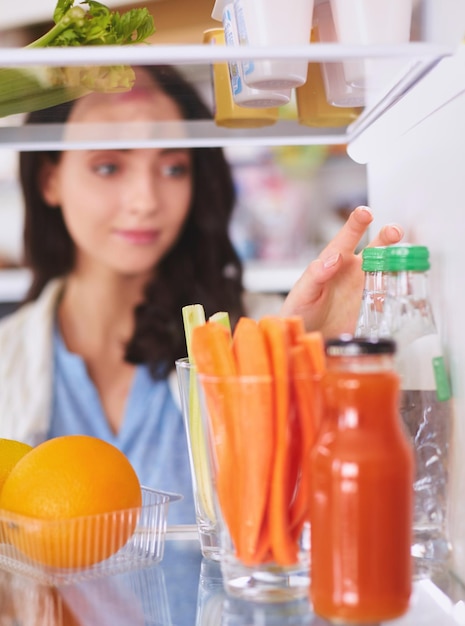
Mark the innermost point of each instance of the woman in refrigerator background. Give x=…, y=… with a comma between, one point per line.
x=117, y=242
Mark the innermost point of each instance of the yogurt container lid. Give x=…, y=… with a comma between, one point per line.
x=217, y=13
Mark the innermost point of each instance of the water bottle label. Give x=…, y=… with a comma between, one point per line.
x=442, y=380
x=415, y=362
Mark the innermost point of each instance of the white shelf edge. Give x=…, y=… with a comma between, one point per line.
x=191, y=54
x=414, y=58
x=187, y=134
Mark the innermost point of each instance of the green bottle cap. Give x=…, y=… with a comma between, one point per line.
x=407, y=257
x=373, y=259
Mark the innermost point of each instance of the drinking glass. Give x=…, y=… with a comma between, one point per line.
x=260, y=485
x=210, y=597
x=202, y=485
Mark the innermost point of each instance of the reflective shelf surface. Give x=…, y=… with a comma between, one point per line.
x=186, y=590
x=389, y=73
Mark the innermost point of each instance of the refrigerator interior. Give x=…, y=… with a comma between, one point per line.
x=413, y=153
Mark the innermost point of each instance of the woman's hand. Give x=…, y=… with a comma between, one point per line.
x=329, y=292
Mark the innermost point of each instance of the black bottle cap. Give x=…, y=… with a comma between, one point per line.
x=348, y=345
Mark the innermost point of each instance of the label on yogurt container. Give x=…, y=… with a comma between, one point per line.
x=231, y=40
x=247, y=66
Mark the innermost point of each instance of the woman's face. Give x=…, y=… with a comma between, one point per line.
x=124, y=209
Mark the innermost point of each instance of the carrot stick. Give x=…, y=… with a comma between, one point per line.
x=305, y=391
x=250, y=349
x=296, y=327
x=211, y=346
x=283, y=547
x=255, y=435
x=212, y=350
x=314, y=344
x=263, y=552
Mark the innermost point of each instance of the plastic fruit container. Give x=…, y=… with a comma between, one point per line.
x=60, y=552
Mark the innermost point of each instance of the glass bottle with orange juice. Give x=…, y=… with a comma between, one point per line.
x=361, y=494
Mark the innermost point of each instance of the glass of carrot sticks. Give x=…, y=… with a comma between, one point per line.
x=259, y=397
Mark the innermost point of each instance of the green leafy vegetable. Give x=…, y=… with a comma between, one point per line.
x=75, y=26
x=25, y=90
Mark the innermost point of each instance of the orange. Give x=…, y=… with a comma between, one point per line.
x=10, y=453
x=81, y=497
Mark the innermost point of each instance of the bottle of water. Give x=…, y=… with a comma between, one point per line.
x=425, y=405
x=371, y=322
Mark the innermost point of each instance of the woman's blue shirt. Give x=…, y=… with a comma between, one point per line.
x=152, y=434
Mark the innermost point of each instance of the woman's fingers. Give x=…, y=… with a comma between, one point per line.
x=309, y=288
x=388, y=235
x=349, y=236
x=351, y=233
x=328, y=293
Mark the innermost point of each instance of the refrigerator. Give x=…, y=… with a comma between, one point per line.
x=411, y=138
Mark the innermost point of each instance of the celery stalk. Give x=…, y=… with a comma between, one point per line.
x=31, y=89
x=24, y=90
x=194, y=315
x=221, y=317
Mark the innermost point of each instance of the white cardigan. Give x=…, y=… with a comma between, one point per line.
x=26, y=367
x=26, y=363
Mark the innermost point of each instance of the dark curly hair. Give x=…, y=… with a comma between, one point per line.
x=202, y=267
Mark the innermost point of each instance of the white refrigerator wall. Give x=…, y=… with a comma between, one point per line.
x=419, y=182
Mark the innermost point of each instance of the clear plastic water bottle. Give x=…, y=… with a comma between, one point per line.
x=425, y=404
x=371, y=321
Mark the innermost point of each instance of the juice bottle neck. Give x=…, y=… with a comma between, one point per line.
x=367, y=363
x=361, y=393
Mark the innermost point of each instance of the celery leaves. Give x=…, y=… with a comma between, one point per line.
x=30, y=89
x=75, y=26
